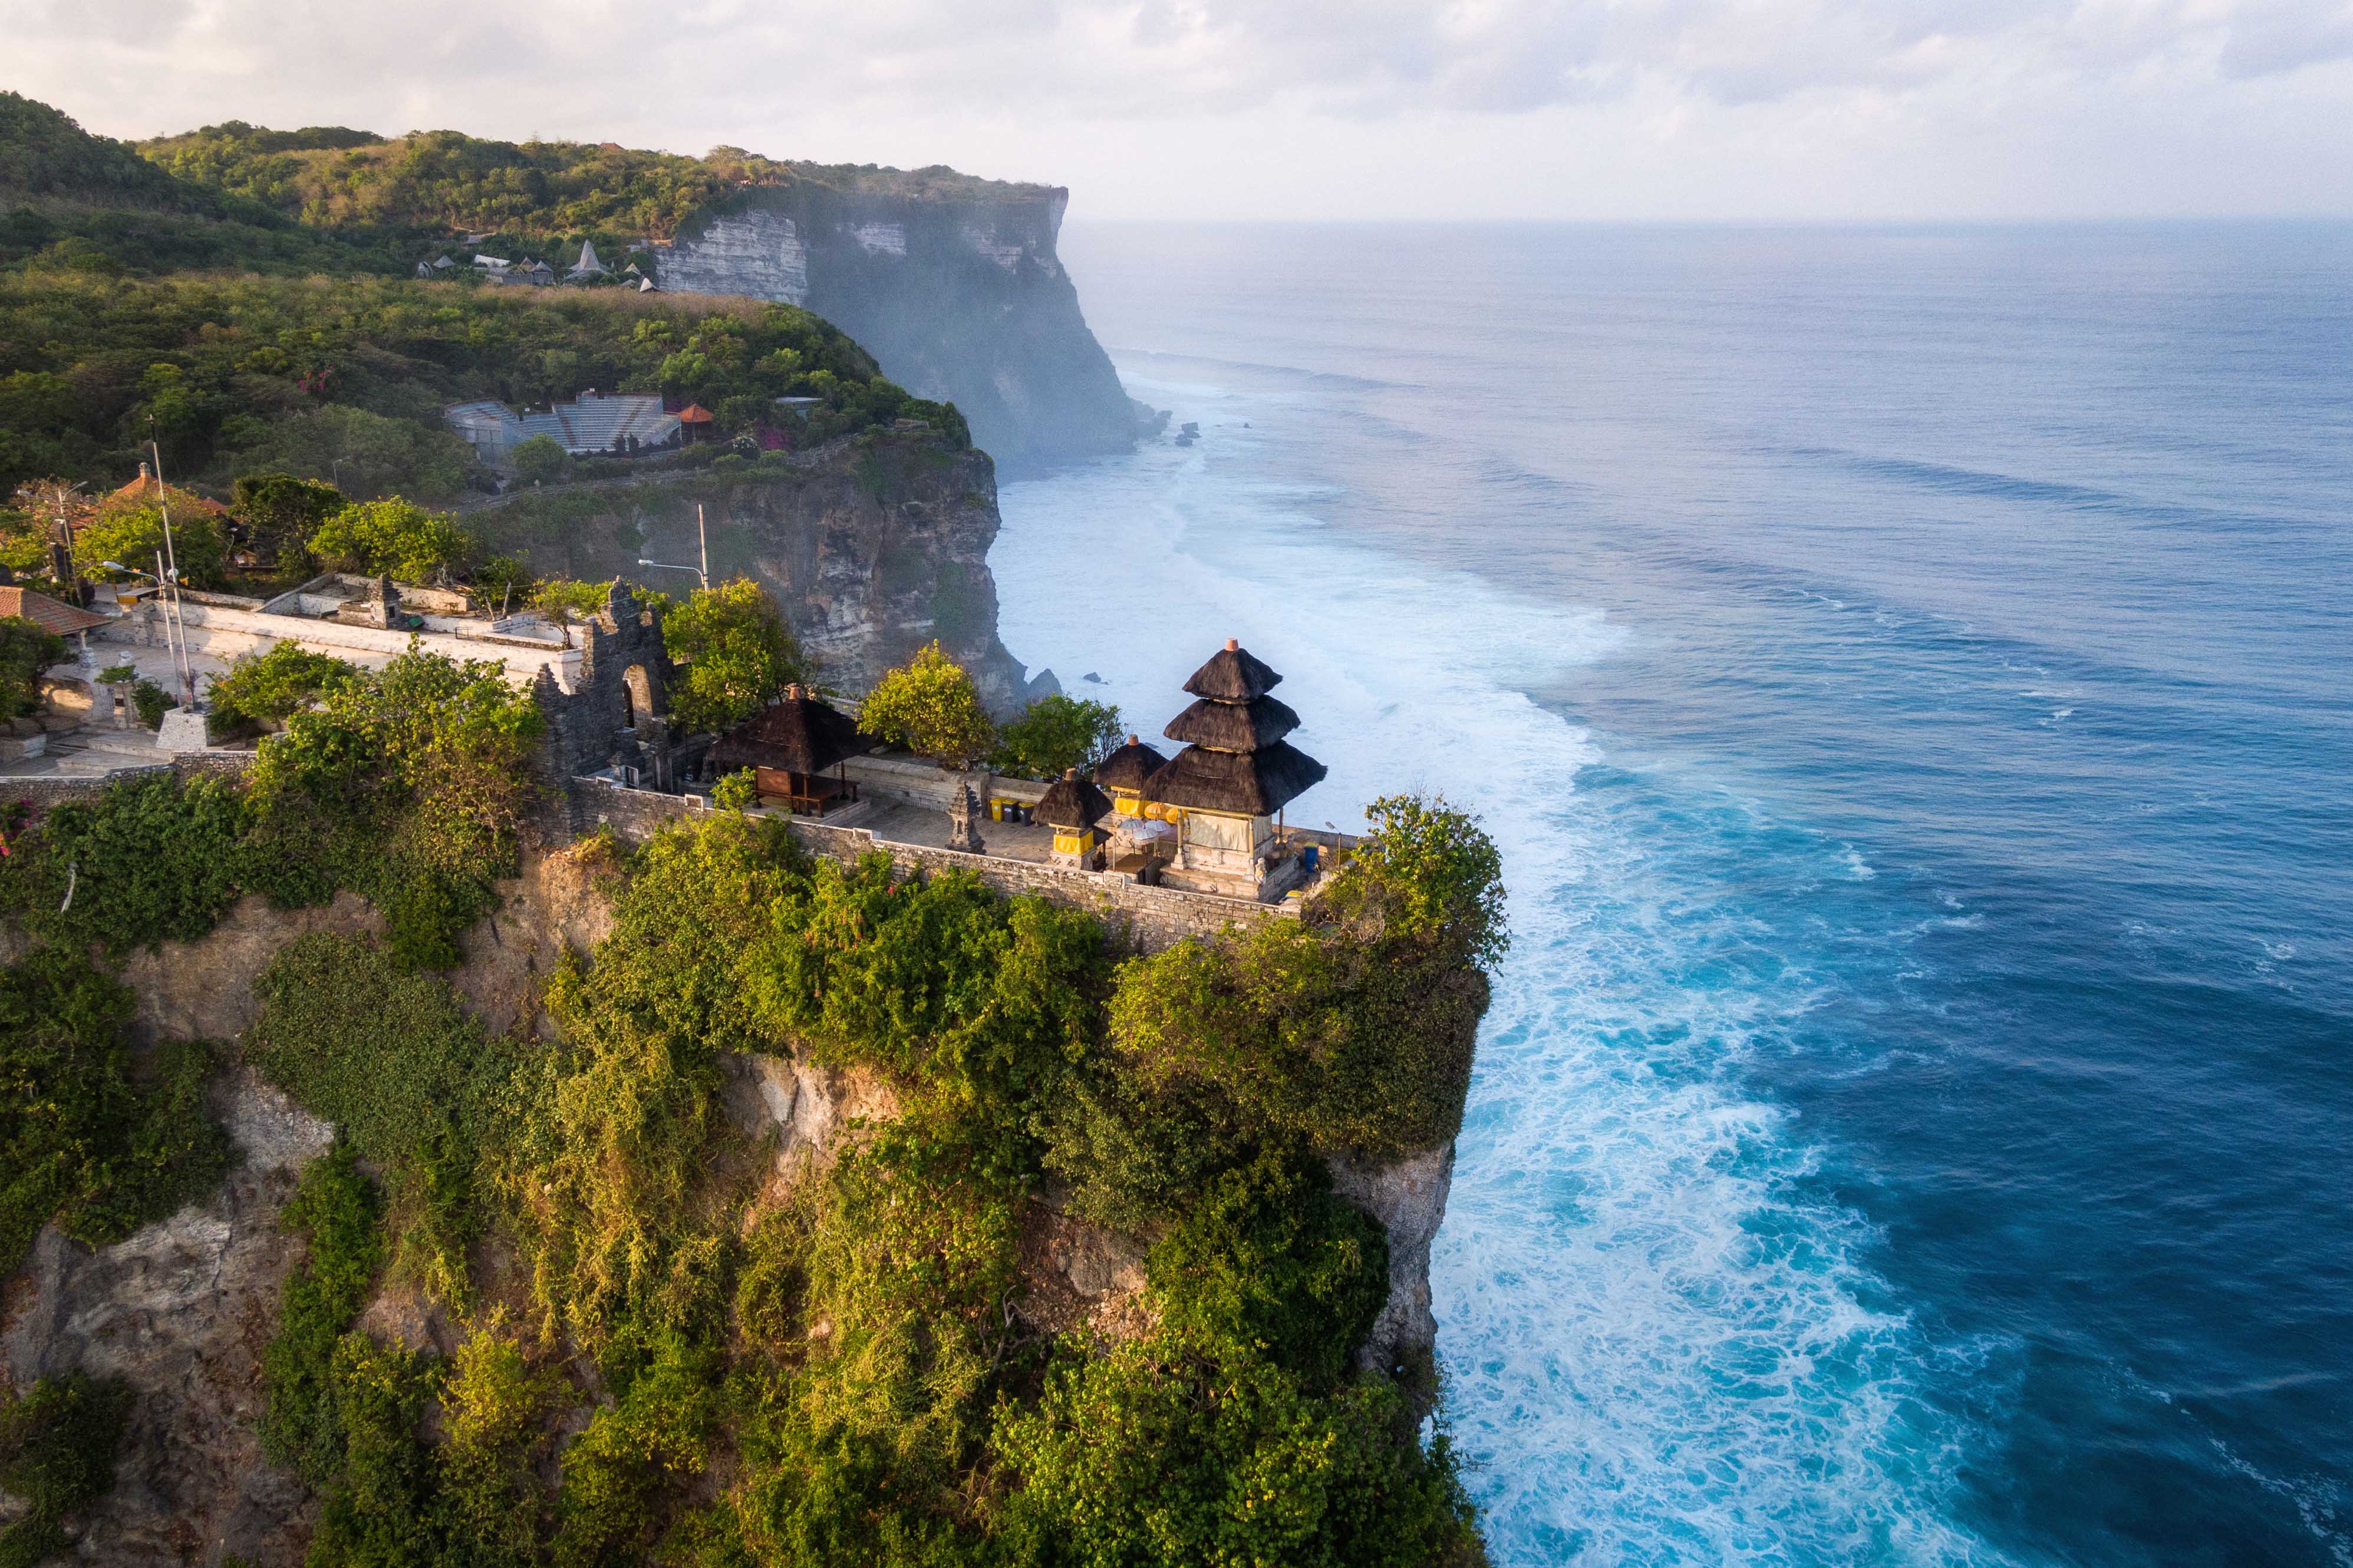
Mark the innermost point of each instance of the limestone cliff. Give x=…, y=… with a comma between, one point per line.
x=873, y=546
x=960, y=297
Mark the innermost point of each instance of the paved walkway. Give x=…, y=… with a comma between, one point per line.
x=902, y=822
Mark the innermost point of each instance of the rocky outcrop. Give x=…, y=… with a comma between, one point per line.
x=1408, y=1195
x=180, y=1311
x=959, y=296
x=875, y=548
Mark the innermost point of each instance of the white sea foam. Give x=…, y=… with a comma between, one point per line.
x=1657, y=1351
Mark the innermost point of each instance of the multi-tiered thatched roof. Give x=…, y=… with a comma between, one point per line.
x=1234, y=758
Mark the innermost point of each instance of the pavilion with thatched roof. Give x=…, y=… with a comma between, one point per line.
x=790, y=744
x=1124, y=773
x=1073, y=807
x=1227, y=789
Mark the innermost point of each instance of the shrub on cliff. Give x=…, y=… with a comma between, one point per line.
x=401, y=1070
x=408, y=783
x=57, y=1443
x=929, y=705
x=150, y=859
x=1348, y=1034
x=81, y=1140
x=272, y=687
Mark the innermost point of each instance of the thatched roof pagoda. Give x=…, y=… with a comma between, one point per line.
x=1129, y=768
x=1072, y=803
x=796, y=734
x=1235, y=759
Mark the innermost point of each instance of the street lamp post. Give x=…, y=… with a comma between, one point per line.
x=700, y=576
x=170, y=565
x=164, y=594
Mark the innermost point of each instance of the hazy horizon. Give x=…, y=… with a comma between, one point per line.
x=1675, y=110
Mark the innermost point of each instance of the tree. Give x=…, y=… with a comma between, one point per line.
x=929, y=705
x=565, y=600
x=1056, y=733
x=540, y=458
x=502, y=581
x=392, y=537
x=26, y=648
x=131, y=530
x=272, y=687
x=736, y=654
x=281, y=512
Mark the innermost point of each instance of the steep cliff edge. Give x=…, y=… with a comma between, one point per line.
x=182, y=1310
x=959, y=296
x=872, y=547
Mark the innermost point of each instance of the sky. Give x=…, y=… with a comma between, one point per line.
x=1748, y=110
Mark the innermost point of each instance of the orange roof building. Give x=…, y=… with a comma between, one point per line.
x=695, y=413
x=143, y=487
x=50, y=615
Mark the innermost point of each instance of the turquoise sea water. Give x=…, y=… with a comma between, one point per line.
x=1910, y=673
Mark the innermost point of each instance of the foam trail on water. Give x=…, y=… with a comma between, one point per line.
x=1657, y=1350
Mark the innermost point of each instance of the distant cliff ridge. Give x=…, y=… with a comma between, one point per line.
x=959, y=296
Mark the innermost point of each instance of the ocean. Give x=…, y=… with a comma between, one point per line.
x=1909, y=673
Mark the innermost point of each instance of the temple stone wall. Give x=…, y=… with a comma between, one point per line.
x=1150, y=917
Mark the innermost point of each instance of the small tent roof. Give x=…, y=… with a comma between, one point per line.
x=795, y=734
x=1232, y=676
x=1072, y=802
x=1245, y=783
x=1233, y=726
x=695, y=413
x=1129, y=767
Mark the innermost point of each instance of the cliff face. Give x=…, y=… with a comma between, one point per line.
x=959, y=297
x=872, y=549
x=181, y=1310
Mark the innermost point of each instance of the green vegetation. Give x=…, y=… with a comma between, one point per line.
x=733, y=655
x=929, y=706
x=57, y=1456
x=71, y=200
x=344, y=381
x=26, y=648
x=337, y=1210
x=539, y=459
x=564, y=600
x=839, y=1372
x=408, y=785
x=531, y=191
x=392, y=538
x=405, y=1075
x=1054, y=734
x=280, y=513
x=151, y=702
x=83, y=1141
x=270, y=688
x=130, y=531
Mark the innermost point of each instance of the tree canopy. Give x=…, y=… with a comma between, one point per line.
x=929, y=705
x=736, y=656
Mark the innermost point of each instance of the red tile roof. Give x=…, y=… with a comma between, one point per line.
x=61, y=619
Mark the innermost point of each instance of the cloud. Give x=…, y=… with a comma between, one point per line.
x=1039, y=86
